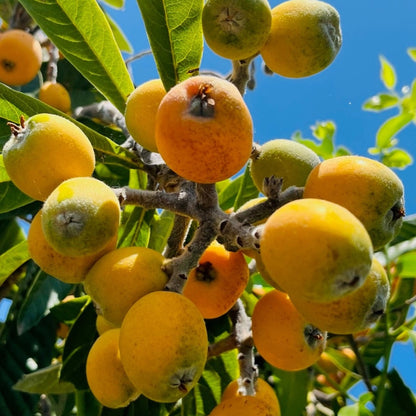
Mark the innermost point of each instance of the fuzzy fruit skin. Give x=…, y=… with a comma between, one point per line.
x=218, y=281
x=163, y=345
x=140, y=114
x=283, y=158
x=282, y=336
x=20, y=57
x=304, y=39
x=121, y=277
x=56, y=95
x=367, y=188
x=65, y=268
x=264, y=392
x=80, y=216
x=353, y=312
x=242, y=405
x=315, y=249
x=49, y=150
x=236, y=29
x=210, y=147
x=105, y=373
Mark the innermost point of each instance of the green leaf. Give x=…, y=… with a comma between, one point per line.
x=174, y=30
x=11, y=234
x=247, y=189
x=87, y=404
x=80, y=339
x=12, y=259
x=399, y=399
x=397, y=158
x=387, y=73
x=69, y=310
x=412, y=53
x=44, y=293
x=118, y=4
x=292, y=390
x=160, y=229
x=44, y=381
x=6, y=9
x=82, y=33
x=122, y=42
x=14, y=104
x=390, y=128
x=381, y=102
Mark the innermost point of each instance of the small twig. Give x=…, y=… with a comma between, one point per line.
x=177, y=236
x=52, y=70
x=361, y=367
x=105, y=112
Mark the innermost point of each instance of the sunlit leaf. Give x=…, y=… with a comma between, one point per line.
x=122, y=42
x=407, y=264
x=118, y=4
x=381, y=102
x=12, y=259
x=412, y=53
x=387, y=73
x=397, y=158
x=174, y=30
x=82, y=33
x=390, y=128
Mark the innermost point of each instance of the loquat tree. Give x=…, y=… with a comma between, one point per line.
x=155, y=259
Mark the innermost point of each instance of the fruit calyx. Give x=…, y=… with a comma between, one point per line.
x=313, y=336
x=17, y=129
x=8, y=65
x=398, y=210
x=230, y=19
x=205, y=272
x=202, y=104
x=183, y=379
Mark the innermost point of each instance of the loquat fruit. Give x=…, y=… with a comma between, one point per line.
x=204, y=130
x=282, y=336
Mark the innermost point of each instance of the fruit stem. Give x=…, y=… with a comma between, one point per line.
x=242, y=75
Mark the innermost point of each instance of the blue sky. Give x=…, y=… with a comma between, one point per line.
x=281, y=106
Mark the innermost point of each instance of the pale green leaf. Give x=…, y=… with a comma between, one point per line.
x=118, y=4
x=12, y=259
x=82, y=33
x=122, y=42
x=174, y=30
x=390, y=128
x=397, y=158
x=380, y=102
x=44, y=381
x=14, y=104
x=407, y=264
x=387, y=73
x=412, y=53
